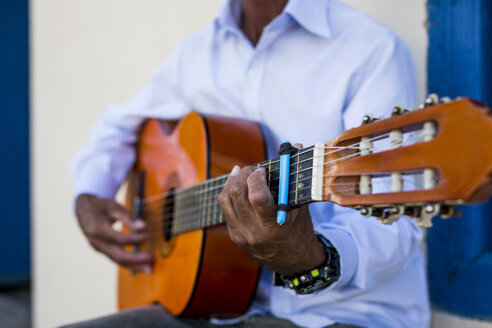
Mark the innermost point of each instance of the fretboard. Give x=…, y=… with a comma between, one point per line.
x=196, y=207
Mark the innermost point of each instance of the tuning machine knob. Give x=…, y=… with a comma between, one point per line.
x=368, y=118
x=433, y=99
x=448, y=211
x=366, y=211
x=398, y=110
x=423, y=213
x=387, y=215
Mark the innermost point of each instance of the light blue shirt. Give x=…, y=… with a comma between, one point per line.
x=316, y=70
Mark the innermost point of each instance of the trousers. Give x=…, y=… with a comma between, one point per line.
x=156, y=316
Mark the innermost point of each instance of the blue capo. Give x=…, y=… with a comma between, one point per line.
x=283, y=185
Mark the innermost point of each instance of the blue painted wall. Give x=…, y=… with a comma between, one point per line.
x=14, y=143
x=460, y=64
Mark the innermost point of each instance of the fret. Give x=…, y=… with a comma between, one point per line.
x=197, y=207
x=297, y=178
x=175, y=215
x=210, y=197
x=300, y=177
x=217, y=190
x=214, y=198
x=187, y=223
x=183, y=211
x=208, y=201
x=203, y=196
x=177, y=219
x=199, y=196
x=186, y=214
x=219, y=211
x=182, y=216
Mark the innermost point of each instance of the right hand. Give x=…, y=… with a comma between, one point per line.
x=96, y=217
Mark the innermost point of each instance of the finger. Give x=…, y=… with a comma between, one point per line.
x=259, y=195
x=239, y=194
x=146, y=268
x=128, y=219
x=298, y=146
x=110, y=235
x=225, y=201
x=128, y=259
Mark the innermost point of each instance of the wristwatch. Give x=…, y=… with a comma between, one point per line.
x=317, y=278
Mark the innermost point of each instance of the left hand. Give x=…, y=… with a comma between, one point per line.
x=250, y=212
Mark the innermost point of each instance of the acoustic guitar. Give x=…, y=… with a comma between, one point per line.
x=418, y=163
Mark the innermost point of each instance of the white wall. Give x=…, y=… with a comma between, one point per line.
x=85, y=54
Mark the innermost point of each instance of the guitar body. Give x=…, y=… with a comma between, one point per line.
x=198, y=273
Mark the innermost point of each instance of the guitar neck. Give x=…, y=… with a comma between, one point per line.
x=414, y=163
x=196, y=207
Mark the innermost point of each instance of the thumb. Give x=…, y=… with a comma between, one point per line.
x=127, y=218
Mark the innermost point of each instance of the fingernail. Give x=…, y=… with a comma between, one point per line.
x=235, y=170
x=147, y=269
x=139, y=224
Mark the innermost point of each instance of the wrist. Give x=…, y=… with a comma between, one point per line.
x=313, y=256
x=315, y=278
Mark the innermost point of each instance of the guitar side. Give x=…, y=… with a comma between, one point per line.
x=198, y=273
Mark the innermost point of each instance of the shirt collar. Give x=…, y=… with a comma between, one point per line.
x=312, y=15
x=228, y=16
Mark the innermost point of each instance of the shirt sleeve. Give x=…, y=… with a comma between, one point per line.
x=102, y=164
x=371, y=252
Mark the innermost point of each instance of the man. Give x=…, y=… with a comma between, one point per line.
x=307, y=70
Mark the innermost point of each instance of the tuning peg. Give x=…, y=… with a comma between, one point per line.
x=396, y=211
x=445, y=100
x=366, y=211
x=448, y=211
x=398, y=110
x=431, y=208
x=412, y=211
x=429, y=211
x=367, y=119
x=431, y=100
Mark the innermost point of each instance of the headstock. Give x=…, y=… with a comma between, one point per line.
x=417, y=163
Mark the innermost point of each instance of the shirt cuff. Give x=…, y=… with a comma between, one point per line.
x=95, y=182
x=346, y=248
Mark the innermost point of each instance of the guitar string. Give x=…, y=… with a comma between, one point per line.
x=353, y=146
x=198, y=208
x=166, y=218
x=209, y=189
x=213, y=187
x=158, y=227
x=221, y=186
x=207, y=200
x=161, y=196
x=183, y=222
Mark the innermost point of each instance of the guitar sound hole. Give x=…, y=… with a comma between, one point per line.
x=168, y=213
